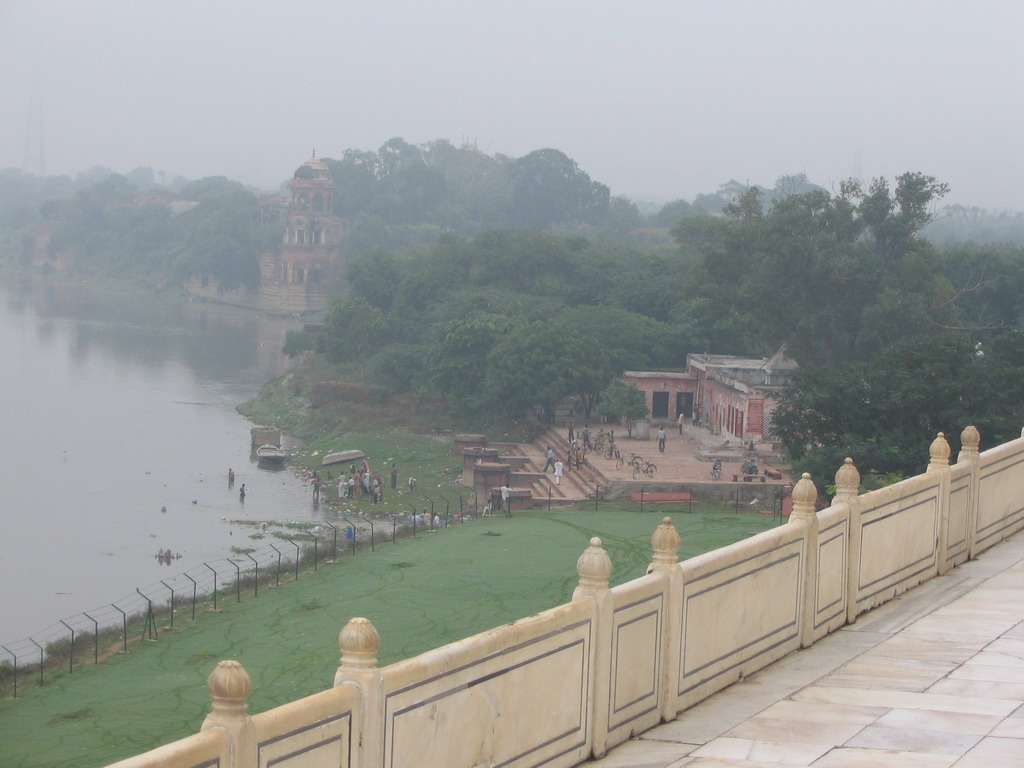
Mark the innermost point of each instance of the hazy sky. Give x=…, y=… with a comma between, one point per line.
x=658, y=100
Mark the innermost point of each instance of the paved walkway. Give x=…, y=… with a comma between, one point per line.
x=682, y=462
x=930, y=680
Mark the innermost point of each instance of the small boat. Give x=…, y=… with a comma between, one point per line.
x=270, y=453
x=340, y=457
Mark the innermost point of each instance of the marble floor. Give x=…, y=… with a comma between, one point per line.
x=933, y=679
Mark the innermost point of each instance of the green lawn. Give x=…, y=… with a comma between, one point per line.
x=420, y=593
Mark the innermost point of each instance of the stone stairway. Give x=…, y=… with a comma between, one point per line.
x=577, y=484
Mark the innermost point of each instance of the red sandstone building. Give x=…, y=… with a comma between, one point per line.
x=732, y=395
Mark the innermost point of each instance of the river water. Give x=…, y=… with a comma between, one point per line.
x=114, y=409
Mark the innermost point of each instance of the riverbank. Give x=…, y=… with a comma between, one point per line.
x=420, y=593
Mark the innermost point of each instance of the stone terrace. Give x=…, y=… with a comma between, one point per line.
x=934, y=679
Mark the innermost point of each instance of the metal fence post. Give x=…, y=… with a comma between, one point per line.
x=124, y=631
x=256, y=590
x=95, y=638
x=277, y=578
x=71, y=662
x=15, y=657
x=172, y=600
x=297, y=550
x=37, y=645
x=195, y=590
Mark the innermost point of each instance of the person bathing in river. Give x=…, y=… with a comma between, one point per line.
x=231, y=477
x=241, y=493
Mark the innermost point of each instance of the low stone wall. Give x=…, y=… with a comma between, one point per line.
x=569, y=683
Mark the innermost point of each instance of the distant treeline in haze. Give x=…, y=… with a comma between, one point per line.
x=504, y=284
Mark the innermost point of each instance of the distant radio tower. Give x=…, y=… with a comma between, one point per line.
x=33, y=161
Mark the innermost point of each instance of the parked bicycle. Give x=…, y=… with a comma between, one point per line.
x=644, y=469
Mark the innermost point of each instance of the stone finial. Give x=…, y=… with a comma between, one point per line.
x=970, y=444
x=665, y=542
x=359, y=642
x=939, y=451
x=229, y=685
x=594, y=566
x=847, y=480
x=805, y=495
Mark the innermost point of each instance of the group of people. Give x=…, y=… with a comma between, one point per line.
x=363, y=482
x=575, y=454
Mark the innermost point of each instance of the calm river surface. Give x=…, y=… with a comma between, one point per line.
x=114, y=407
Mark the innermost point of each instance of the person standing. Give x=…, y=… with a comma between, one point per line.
x=231, y=478
x=241, y=493
x=394, y=477
x=551, y=459
x=662, y=437
x=558, y=472
x=572, y=434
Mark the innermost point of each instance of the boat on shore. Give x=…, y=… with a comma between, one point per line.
x=271, y=453
x=341, y=457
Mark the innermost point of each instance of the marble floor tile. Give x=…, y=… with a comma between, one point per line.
x=987, y=761
x=763, y=751
x=958, y=626
x=1008, y=645
x=815, y=712
x=996, y=658
x=1017, y=633
x=789, y=730
x=878, y=697
x=972, y=671
x=913, y=740
x=911, y=646
x=983, y=689
x=645, y=754
x=900, y=674
x=994, y=746
x=927, y=720
x=854, y=757
x=1011, y=728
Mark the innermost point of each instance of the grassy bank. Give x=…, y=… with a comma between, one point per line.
x=420, y=593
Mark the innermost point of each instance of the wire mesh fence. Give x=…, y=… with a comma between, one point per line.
x=90, y=636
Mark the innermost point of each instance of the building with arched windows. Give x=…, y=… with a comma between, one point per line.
x=299, y=275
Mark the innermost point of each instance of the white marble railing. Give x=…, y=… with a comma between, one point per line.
x=561, y=686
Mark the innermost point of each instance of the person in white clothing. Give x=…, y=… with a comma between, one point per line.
x=559, y=466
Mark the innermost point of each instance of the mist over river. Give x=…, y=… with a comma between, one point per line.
x=114, y=407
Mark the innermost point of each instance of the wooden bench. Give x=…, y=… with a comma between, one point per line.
x=663, y=496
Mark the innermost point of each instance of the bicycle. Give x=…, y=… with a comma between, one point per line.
x=716, y=469
x=648, y=469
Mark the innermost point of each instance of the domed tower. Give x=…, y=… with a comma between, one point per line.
x=299, y=281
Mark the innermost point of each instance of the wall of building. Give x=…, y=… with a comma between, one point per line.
x=561, y=686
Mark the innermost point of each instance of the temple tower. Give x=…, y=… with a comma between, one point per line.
x=299, y=278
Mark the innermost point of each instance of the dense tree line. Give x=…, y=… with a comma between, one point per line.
x=896, y=339
x=507, y=283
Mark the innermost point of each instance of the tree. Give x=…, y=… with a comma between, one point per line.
x=353, y=330
x=548, y=187
x=538, y=364
x=623, y=402
x=883, y=412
